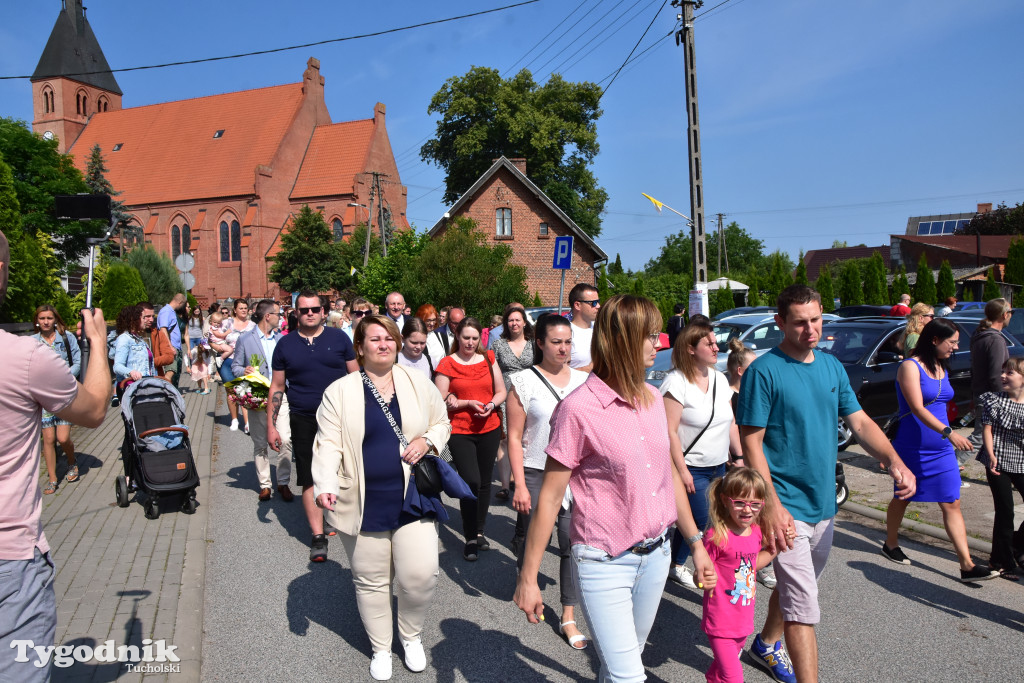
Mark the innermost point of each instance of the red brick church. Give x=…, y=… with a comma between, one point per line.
x=217, y=176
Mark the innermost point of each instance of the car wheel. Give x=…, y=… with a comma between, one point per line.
x=845, y=435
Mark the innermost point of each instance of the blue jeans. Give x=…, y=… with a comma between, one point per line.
x=225, y=371
x=28, y=611
x=620, y=597
x=702, y=478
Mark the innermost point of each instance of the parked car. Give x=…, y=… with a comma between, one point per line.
x=743, y=310
x=662, y=365
x=535, y=312
x=861, y=310
x=1015, y=327
x=867, y=349
x=757, y=331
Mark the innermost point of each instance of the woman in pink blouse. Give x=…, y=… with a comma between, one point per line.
x=609, y=444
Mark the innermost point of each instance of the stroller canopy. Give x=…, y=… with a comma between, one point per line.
x=151, y=390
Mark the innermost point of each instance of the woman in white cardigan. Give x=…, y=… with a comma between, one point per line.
x=360, y=475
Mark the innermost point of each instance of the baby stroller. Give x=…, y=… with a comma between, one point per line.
x=157, y=454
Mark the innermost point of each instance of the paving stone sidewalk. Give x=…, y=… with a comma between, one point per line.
x=120, y=576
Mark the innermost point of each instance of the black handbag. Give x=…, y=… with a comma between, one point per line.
x=424, y=472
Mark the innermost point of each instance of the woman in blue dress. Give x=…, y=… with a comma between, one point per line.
x=926, y=443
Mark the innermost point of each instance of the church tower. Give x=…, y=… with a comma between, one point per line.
x=72, y=80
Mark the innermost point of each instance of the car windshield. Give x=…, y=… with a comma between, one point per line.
x=849, y=343
x=726, y=332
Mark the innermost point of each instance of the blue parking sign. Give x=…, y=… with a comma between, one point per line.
x=563, y=253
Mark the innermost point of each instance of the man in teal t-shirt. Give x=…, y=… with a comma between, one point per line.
x=790, y=403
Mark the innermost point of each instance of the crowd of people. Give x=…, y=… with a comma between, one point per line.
x=378, y=410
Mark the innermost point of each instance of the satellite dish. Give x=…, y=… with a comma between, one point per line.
x=188, y=280
x=185, y=262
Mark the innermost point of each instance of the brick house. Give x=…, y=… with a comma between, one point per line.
x=218, y=176
x=510, y=209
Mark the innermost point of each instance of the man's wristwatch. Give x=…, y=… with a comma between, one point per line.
x=430, y=444
x=946, y=432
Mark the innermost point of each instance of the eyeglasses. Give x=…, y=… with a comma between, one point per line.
x=358, y=314
x=430, y=320
x=303, y=310
x=654, y=338
x=754, y=505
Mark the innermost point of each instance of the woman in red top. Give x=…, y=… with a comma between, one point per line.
x=473, y=389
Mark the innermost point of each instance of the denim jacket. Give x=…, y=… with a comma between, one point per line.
x=59, y=347
x=132, y=353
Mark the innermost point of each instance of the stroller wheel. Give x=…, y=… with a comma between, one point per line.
x=189, y=506
x=152, y=509
x=842, y=494
x=121, y=490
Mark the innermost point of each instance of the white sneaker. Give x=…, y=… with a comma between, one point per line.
x=234, y=425
x=246, y=428
x=766, y=577
x=380, y=666
x=415, y=658
x=682, y=575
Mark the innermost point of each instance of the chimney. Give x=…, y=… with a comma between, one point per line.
x=379, y=112
x=984, y=208
x=520, y=164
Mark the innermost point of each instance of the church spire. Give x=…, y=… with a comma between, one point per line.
x=73, y=52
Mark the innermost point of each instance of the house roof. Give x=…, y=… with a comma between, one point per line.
x=335, y=155
x=991, y=246
x=169, y=153
x=72, y=51
x=506, y=164
x=815, y=259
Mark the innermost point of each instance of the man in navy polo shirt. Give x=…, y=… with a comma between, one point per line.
x=307, y=361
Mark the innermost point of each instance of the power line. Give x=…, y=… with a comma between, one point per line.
x=527, y=53
x=562, y=35
x=622, y=26
x=585, y=31
x=292, y=47
x=614, y=22
x=626, y=61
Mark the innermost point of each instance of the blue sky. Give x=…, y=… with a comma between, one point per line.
x=819, y=120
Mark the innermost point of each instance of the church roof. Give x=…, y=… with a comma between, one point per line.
x=191, y=149
x=335, y=155
x=73, y=52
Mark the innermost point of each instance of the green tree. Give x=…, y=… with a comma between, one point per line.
x=1014, y=272
x=839, y=244
x=778, y=266
x=991, y=290
x=602, y=284
x=946, y=286
x=851, y=289
x=876, y=290
x=719, y=300
x=157, y=272
x=924, y=287
x=383, y=274
x=308, y=258
x=537, y=301
x=1004, y=220
x=824, y=287
x=801, y=270
x=39, y=173
x=123, y=287
x=484, y=116
x=460, y=268
x=746, y=254
x=96, y=180
x=900, y=285
x=616, y=267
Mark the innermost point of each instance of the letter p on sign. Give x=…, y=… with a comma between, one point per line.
x=563, y=253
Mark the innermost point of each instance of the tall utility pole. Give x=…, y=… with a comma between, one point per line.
x=721, y=246
x=685, y=37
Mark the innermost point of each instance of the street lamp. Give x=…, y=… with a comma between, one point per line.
x=366, y=249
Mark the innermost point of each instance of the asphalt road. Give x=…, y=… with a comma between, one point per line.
x=270, y=614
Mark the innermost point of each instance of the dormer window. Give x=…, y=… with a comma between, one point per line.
x=118, y=146
x=218, y=134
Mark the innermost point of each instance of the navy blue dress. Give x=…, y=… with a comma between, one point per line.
x=931, y=458
x=382, y=469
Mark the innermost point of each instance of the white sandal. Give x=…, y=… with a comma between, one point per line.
x=573, y=640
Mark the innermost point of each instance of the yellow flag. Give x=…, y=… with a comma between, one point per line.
x=657, y=204
x=352, y=271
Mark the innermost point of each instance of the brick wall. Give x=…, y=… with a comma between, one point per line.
x=64, y=121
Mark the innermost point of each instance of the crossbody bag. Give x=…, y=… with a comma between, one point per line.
x=714, y=394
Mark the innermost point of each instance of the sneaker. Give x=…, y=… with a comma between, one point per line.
x=682, y=575
x=380, y=666
x=895, y=554
x=318, y=553
x=978, y=572
x=246, y=428
x=329, y=530
x=774, y=659
x=234, y=425
x=766, y=577
x=415, y=658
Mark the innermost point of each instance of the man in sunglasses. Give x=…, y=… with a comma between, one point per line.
x=307, y=362
x=585, y=303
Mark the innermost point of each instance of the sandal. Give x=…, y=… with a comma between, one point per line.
x=574, y=641
x=72, y=473
x=503, y=494
x=51, y=487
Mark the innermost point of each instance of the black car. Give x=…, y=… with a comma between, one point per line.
x=867, y=349
x=1015, y=327
x=861, y=310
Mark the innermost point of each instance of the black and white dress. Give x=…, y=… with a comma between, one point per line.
x=509, y=362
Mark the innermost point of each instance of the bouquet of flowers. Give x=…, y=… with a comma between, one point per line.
x=252, y=390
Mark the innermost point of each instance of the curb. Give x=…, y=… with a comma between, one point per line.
x=919, y=527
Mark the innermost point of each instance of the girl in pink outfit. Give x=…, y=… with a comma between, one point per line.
x=736, y=545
